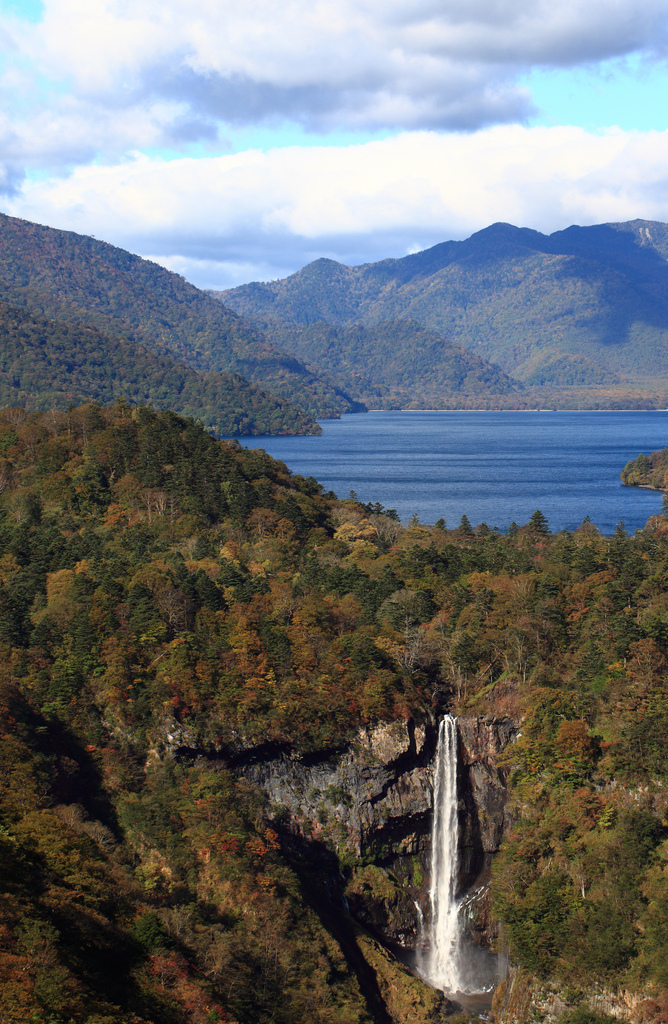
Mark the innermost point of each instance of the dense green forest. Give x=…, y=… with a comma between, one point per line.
x=161, y=590
x=647, y=471
x=582, y=310
x=78, y=280
x=48, y=364
x=397, y=364
x=402, y=365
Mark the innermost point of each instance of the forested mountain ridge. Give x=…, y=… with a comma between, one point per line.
x=170, y=604
x=47, y=364
x=80, y=280
x=371, y=363
x=580, y=306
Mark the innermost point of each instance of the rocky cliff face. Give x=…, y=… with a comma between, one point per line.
x=358, y=821
x=483, y=790
x=371, y=800
x=485, y=816
x=374, y=798
x=371, y=804
x=521, y=998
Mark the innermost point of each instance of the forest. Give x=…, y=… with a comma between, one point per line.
x=47, y=364
x=647, y=471
x=75, y=281
x=156, y=582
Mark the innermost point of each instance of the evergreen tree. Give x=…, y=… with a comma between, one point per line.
x=539, y=524
x=465, y=526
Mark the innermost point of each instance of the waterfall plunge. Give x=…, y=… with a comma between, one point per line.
x=444, y=959
x=439, y=963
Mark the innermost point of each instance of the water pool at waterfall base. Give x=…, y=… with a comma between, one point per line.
x=481, y=972
x=478, y=972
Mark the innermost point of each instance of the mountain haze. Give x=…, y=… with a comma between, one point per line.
x=583, y=306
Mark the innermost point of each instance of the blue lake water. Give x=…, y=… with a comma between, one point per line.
x=495, y=467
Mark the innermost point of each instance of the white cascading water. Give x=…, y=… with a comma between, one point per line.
x=439, y=955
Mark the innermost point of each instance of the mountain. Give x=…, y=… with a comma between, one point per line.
x=394, y=364
x=587, y=306
x=48, y=364
x=60, y=275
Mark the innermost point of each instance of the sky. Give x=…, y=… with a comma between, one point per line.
x=236, y=140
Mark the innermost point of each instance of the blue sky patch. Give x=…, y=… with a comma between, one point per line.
x=26, y=10
x=629, y=94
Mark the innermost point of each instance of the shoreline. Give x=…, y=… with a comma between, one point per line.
x=546, y=409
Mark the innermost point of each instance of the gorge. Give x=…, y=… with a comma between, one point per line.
x=220, y=699
x=389, y=806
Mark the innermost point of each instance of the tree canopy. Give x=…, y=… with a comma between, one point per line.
x=167, y=599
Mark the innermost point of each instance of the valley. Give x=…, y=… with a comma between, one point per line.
x=220, y=704
x=226, y=794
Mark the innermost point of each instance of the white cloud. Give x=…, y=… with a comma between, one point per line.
x=149, y=72
x=344, y=43
x=257, y=215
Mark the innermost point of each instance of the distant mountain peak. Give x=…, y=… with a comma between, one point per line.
x=587, y=303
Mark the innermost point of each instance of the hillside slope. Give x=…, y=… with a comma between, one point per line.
x=569, y=308
x=79, y=280
x=393, y=364
x=177, y=612
x=47, y=364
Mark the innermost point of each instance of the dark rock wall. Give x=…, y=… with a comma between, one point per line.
x=371, y=805
x=485, y=815
x=372, y=799
x=482, y=784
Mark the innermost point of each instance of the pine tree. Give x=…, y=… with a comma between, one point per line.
x=538, y=523
x=465, y=526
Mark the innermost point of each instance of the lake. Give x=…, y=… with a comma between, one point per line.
x=495, y=467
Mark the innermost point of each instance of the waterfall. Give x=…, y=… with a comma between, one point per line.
x=444, y=957
x=439, y=957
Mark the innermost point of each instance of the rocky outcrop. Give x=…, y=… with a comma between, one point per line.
x=521, y=999
x=371, y=804
x=407, y=999
x=373, y=799
x=483, y=782
x=485, y=816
